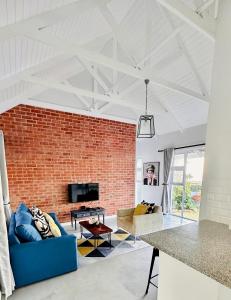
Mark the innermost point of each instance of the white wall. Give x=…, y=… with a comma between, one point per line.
x=216, y=193
x=147, y=150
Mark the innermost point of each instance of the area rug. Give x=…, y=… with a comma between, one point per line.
x=121, y=242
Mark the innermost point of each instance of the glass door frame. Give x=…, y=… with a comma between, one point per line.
x=183, y=168
x=183, y=183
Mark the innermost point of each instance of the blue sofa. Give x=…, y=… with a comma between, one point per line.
x=35, y=261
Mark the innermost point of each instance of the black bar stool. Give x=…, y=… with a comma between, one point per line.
x=155, y=253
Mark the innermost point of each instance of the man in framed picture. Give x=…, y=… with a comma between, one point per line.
x=150, y=178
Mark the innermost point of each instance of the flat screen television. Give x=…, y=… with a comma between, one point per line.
x=82, y=192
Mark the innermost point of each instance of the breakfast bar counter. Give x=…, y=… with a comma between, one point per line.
x=202, y=248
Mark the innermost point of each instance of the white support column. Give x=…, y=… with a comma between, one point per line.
x=216, y=192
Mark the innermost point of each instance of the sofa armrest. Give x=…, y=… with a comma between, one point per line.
x=35, y=261
x=124, y=212
x=148, y=223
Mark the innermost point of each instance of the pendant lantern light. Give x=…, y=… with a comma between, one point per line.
x=146, y=127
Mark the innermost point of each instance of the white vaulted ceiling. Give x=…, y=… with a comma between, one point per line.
x=92, y=56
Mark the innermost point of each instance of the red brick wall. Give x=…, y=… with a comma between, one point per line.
x=46, y=150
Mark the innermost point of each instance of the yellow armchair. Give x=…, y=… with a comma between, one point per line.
x=140, y=224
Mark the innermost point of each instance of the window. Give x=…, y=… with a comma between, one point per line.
x=186, y=182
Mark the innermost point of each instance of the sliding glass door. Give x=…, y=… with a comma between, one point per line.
x=186, y=183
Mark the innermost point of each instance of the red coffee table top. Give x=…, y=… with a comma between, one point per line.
x=95, y=229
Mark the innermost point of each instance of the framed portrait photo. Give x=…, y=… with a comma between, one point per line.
x=151, y=172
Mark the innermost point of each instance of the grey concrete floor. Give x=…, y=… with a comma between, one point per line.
x=120, y=277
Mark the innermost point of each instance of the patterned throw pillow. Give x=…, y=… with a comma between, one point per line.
x=151, y=207
x=41, y=223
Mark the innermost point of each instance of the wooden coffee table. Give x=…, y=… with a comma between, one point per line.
x=96, y=231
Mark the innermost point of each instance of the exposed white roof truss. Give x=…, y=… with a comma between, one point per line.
x=50, y=49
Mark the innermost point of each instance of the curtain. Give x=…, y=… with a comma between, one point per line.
x=4, y=178
x=6, y=276
x=166, y=198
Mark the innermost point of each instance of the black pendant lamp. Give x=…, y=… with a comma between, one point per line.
x=146, y=127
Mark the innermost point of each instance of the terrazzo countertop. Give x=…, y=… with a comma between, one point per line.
x=205, y=246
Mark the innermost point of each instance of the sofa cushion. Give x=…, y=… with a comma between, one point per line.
x=27, y=233
x=140, y=209
x=54, y=217
x=23, y=217
x=22, y=207
x=54, y=228
x=41, y=223
x=150, y=207
x=24, y=228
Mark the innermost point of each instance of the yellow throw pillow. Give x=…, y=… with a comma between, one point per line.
x=140, y=210
x=54, y=228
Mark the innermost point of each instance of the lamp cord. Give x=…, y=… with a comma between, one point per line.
x=146, y=106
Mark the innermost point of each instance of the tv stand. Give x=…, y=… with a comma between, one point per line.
x=86, y=212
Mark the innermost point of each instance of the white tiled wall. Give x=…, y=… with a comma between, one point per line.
x=216, y=195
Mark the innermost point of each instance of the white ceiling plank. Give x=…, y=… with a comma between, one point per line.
x=182, y=11
x=115, y=29
x=104, y=107
x=130, y=88
x=14, y=101
x=161, y=45
x=115, y=57
x=82, y=99
x=95, y=90
x=193, y=67
x=187, y=55
x=90, y=68
x=107, y=106
x=81, y=92
x=44, y=65
x=170, y=110
x=49, y=63
x=49, y=18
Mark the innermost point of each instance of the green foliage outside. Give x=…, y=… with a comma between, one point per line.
x=177, y=194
